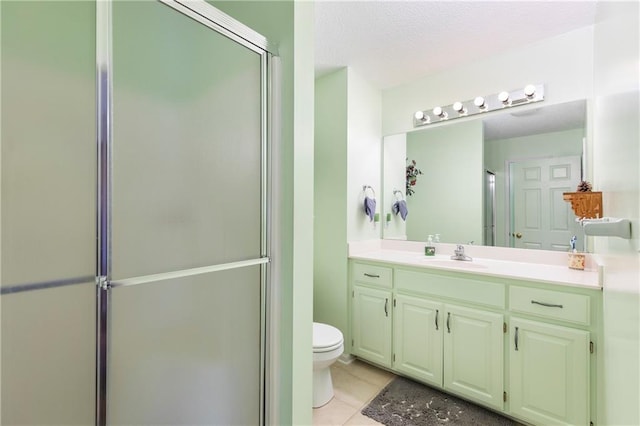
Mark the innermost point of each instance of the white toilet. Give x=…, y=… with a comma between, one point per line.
x=328, y=345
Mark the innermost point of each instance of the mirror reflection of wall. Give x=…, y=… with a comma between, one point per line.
x=450, y=195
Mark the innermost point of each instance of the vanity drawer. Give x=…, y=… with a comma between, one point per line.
x=378, y=275
x=550, y=304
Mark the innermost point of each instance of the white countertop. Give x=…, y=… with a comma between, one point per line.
x=532, y=265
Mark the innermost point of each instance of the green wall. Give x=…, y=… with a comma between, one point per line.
x=330, y=207
x=616, y=156
x=347, y=154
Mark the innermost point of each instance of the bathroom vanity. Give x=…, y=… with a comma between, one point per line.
x=514, y=331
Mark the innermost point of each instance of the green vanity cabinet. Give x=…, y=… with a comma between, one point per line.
x=473, y=354
x=450, y=346
x=417, y=338
x=549, y=363
x=549, y=373
x=517, y=346
x=371, y=313
x=470, y=335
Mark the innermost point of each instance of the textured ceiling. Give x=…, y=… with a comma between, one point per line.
x=392, y=42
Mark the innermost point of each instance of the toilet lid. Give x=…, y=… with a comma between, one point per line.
x=325, y=336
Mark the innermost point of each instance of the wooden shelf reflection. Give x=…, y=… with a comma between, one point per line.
x=586, y=205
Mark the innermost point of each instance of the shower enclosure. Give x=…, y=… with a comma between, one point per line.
x=489, y=208
x=135, y=206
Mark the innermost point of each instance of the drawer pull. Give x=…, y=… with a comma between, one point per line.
x=448, y=322
x=371, y=275
x=437, y=312
x=548, y=305
x=516, y=338
x=386, y=307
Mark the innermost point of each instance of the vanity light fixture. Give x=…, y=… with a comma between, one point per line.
x=481, y=104
x=419, y=116
x=529, y=90
x=439, y=112
x=504, y=98
x=459, y=108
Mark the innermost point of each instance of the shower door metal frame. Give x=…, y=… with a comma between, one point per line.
x=205, y=14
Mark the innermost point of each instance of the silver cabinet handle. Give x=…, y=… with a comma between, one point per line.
x=448, y=322
x=437, y=312
x=516, y=338
x=386, y=307
x=548, y=305
x=371, y=275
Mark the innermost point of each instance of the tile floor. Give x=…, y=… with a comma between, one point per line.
x=355, y=385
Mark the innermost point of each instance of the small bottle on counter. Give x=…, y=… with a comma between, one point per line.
x=576, y=260
x=429, y=249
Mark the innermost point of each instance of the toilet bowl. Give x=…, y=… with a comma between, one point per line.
x=328, y=345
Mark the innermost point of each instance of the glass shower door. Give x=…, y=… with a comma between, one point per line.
x=48, y=210
x=187, y=208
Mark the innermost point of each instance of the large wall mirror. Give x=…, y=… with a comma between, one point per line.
x=495, y=180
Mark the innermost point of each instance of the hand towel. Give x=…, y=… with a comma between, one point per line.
x=400, y=206
x=370, y=207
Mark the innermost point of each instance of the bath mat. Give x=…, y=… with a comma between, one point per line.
x=404, y=402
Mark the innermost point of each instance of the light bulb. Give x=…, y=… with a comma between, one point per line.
x=479, y=102
x=529, y=90
x=503, y=97
x=437, y=111
x=457, y=106
x=419, y=115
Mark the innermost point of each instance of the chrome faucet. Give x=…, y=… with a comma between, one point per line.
x=458, y=253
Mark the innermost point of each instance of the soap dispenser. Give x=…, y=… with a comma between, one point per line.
x=429, y=249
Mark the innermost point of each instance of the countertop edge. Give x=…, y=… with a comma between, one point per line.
x=587, y=279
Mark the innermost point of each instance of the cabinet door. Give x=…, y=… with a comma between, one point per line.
x=417, y=338
x=473, y=354
x=372, y=325
x=549, y=373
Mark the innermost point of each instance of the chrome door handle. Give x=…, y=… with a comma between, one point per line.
x=448, y=322
x=386, y=307
x=516, y=338
x=437, y=312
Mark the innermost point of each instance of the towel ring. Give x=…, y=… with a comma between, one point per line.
x=396, y=192
x=364, y=189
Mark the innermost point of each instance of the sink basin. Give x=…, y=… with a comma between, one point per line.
x=449, y=263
